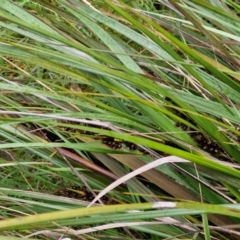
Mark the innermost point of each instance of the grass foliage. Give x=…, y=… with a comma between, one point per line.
x=120, y=119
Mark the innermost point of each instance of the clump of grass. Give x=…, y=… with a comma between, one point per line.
x=119, y=120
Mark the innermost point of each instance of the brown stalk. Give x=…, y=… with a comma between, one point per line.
x=76, y=158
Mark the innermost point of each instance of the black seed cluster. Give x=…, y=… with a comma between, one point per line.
x=209, y=146
x=110, y=142
x=77, y=123
x=118, y=144
x=203, y=143
x=132, y=146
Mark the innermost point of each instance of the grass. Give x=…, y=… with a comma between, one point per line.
x=119, y=119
